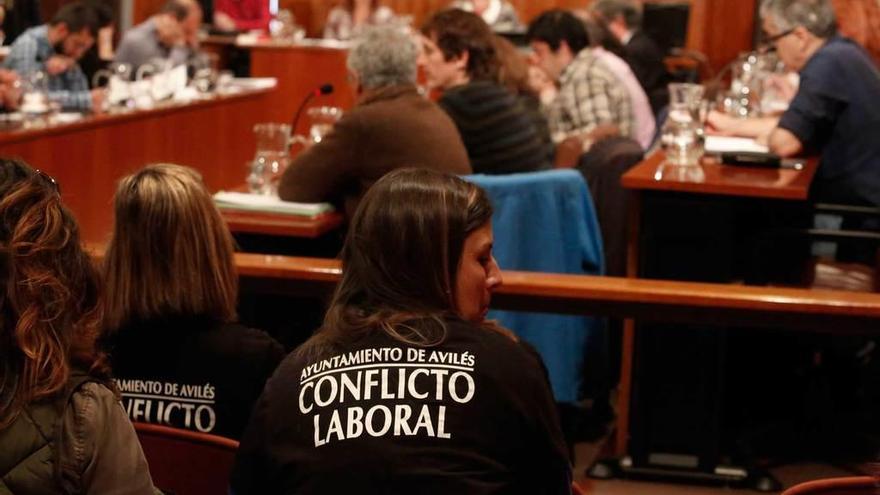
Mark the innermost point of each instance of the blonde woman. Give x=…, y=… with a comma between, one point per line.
x=178, y=355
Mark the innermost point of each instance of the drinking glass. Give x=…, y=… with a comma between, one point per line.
x=271, y=158
x=323, y=119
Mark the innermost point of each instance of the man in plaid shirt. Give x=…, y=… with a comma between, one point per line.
x=590, y=99
x=55, y=49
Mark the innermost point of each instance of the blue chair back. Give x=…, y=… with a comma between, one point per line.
x=545, y=222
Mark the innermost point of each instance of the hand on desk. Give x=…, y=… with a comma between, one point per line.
x=720, y=123
x=99, y=96
x=10, y=89
x=58, y=64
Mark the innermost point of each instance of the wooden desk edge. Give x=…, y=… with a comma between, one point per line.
x=247, y=222
x=587, y=294
x=633, y=179
x=96, y=120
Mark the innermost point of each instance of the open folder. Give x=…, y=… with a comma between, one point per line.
x=270, y=204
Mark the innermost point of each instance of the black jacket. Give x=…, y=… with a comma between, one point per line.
x=646, y=61
x=192, y=373
x=472, y=415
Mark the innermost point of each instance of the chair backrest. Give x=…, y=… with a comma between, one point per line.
x=187, y=462
x=545, y=222
x=854, y=485
x=577, y=490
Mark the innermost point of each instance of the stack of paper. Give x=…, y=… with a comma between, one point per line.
x=258, y=202
x=254, y=82
x=727, y=144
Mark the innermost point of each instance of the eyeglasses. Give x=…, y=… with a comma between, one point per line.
x=768, y=40
x=49, y=180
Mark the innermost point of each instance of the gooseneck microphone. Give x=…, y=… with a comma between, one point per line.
x=324, y=89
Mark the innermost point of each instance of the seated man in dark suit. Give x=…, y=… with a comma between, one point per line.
x=392, y=126
x=624, y=19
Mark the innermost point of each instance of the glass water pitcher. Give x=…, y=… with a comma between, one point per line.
x=682, y=133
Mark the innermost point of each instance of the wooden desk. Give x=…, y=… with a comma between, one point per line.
x=248, y=222
x=694, y=227
x=89, y=156
x=723, y=180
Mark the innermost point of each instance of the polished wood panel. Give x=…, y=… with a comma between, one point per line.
x=726, y=180
x=300, y=70
x=721, y=29
x=87, y=157
x=276, y=224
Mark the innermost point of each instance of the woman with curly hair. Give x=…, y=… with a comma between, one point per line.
x=62, y=428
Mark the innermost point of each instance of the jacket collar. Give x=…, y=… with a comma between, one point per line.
x=387, y=93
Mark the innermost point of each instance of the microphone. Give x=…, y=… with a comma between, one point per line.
x=324, y=89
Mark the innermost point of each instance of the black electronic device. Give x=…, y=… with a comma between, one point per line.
x=756, y=159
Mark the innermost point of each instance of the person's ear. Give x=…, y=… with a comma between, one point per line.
x=803, y=37
x=62, y=29
x=461, y=62
x=564, y=48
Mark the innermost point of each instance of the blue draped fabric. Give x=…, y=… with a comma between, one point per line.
x=545, y=222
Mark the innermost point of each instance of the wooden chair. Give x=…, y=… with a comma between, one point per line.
x=577, y=490
x=854, y=485
x=187, y=462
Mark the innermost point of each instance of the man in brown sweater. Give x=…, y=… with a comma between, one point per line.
x=392, y=126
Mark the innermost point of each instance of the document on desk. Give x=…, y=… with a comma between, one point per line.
x=269, y=204
x=728, y=144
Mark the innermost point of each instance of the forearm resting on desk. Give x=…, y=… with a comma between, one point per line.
x=749, y=127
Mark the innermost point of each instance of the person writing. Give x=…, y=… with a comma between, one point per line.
x=55, y=48
x=834, y=111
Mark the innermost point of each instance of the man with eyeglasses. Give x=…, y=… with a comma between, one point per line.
x=55, y=48
x=836, y=109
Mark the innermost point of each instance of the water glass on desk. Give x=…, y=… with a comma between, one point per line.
x=264, y=172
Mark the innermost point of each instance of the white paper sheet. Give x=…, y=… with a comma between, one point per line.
x=725, y=144
x=258, y=202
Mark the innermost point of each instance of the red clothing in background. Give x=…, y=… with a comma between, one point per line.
x=247, y=14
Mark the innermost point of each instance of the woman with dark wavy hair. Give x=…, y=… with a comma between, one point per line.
x=62, y=428
x=406, y=388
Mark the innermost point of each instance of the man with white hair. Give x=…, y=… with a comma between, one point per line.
x=391, y=126
x=835, y=111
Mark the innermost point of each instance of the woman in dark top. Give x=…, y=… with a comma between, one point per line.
x=459, y=58
x=178, y=357
x=406, y=388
